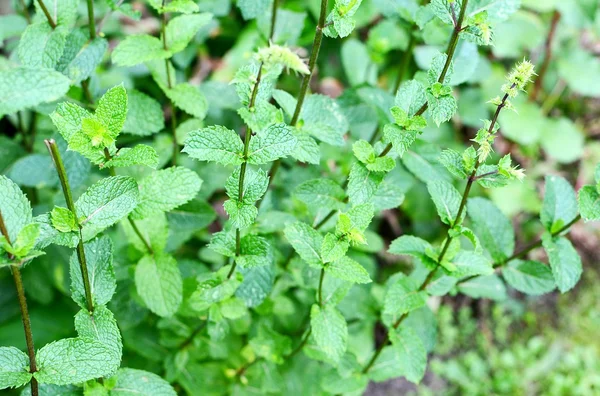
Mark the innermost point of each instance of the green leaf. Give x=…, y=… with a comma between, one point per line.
x=276, y=141
x=307, y=150
x=446, y=199
x=564, y=261
x=188, y=98
x=589, y=203
x=411, y=96
x=529, y=277
x=271, y=345
x=182, y=29
x=453, y=162
x=63, y=219
x=98, y=256
x=112, y=109
x=105, y=203
x=400, y=138
x=14, y=368
x=401, y=297
x=413, y=246
x=73, y=360
x=362, y=183
x=253, y=8
x=435, y=70
x=256, y=183
x=323, y=118
x=138, y=155
x=320, y=194
x=166, y=189
x=15, y=208
x=137, y=49
x=129, y=381
x=255, y=251
x=560, y=203
x=24, y=87
x=158, y=282
x=490, y=286
x=493, y=228
x=68, y=118
x=41, y=46
x=240, y=214
x=62, y=12
x=441, y=108
x=444, y=10
x=333, y=248
x=215, y=143
x=101, y=326
x=469, y=263
x=306, y=241
x=81, y=56
x=144, y=114
x=349, y=270
x=154, y=230
x=411, y=353
x=214, y=288
x=329, y=330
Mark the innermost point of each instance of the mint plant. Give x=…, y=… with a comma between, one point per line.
x=295, y=225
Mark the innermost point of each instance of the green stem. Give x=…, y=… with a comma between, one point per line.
x=406, y=59
x=193, y=335
x=85, y=86
x=320, y=291
x=91, y=21
x=314, y=55
x=247, y=137
x=48, y=16
x=25, y=11
x=273, y=18
x=24, y=313
x=170, y=85
x=64, y=182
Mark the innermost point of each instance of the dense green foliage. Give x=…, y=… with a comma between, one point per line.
x=188, y=205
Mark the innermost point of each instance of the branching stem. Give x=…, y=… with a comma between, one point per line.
x=91, y=21
x=64, y=182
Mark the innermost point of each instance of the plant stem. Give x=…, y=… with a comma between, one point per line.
x=537, y=85
x=193, y=335
x=140, y=235
x=273, y=18
x=85, y=86
x=25, y=11
x=24, y=313
x=64, y=182
x=247, y=137
x=406, y=59
x=91, y=21
x=314, y=55
x=170, y=86
x=320, y=291
x=48, y=16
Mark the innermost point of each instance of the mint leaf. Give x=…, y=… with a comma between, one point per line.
x=15, y=208
x=437, y=66
x=68, y=118
x=271, y=345
x=446, y=199
x=411, y=96
x=401, y=139
x=188, y=98
x=253, y=8
x=564, y=261
x=306, y=241
x=240, y=214
x=214, y=288
x=560, y=203
x=323, y=118
x=24, y=87
x=255, y=251
x=441, y=108
x=73, y=360
x=320, y=194
x=413, y=246
x=63, y=219
x=529, y=277
x=105, y=203
x=158, y=282
x=349, y=270
x=182, y=29
x=81, y=56
x=138, y=155
x=467, y=263
x=63, y=12
x=493, y=228
x=589, y=203
x=129, y=381
x=215, y=143
x=166, y=189
x=411, y=353
x=362, y=183
x=98, y=255
x=182, y=6
x=112, y=109
x=329, y=330
x=134, y=50
x=41, y=46
x=333, y=248
x=453, y=162
x=144, y=114
x=490, y=286
x=255, y=185
x=401, y=297
x=274, y=142
x=101, y=326
x=14, y=368
x=306, y=150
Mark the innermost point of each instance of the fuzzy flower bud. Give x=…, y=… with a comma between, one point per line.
x=518, y=78
x=278, y=55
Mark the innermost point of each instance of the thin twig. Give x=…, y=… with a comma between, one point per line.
x=537, y=85
x=48, y=16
